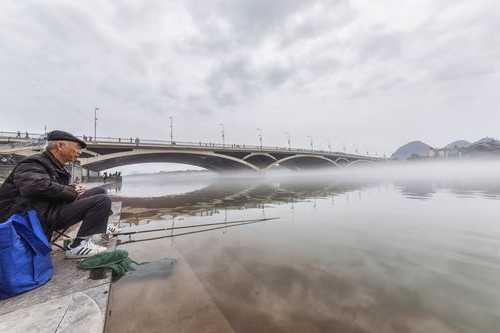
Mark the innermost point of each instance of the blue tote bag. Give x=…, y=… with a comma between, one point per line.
x=25, y=261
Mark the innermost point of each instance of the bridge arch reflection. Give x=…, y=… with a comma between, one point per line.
x=233, y=194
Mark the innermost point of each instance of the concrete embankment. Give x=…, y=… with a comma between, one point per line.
x=69, y=302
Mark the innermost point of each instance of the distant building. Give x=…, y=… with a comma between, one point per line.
x=445, y=153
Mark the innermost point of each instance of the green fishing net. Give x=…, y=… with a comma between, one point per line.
x=117, y=260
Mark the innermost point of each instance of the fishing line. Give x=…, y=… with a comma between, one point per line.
x=127, y=233
x=193, y=232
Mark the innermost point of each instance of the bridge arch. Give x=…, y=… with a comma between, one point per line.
x=204, y=159
x=88, y=153
x=260, y=154
x=301, y=157
x=342, y=160
x=260, y=160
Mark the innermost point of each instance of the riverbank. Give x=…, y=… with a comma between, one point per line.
x=69, y=302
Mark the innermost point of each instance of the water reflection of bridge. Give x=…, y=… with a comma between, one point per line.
x=233, y=195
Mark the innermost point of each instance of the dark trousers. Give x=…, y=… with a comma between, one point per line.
x=93, y=208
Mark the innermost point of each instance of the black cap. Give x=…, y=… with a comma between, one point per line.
x=64, y=136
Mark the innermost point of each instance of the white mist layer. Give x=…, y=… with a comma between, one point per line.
x=429, y=171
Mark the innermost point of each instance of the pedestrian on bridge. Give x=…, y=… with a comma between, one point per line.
x=41, y=182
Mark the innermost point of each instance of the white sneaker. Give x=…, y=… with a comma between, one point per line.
x=87, y=248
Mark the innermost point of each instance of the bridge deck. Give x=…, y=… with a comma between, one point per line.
x=23, y=142
x=105, y=153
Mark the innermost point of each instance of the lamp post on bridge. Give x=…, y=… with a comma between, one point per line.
x=259, y=135
x=95, y=123
x=289, y=140
x=171, y=129
x=311, y=142
x=223, y=134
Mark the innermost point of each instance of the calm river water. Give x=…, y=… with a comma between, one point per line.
x=344, y=256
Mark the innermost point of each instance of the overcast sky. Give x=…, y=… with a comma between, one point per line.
x=360, y=73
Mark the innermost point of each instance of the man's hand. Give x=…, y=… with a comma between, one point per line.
x=80, y=189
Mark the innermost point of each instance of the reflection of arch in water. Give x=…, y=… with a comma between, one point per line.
x=240, y=194
x=218, y=190
x=469, y=187
x=416, y=189
x=297, y=162
x=323, y=188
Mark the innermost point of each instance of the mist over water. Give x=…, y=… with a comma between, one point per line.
x=392, y=248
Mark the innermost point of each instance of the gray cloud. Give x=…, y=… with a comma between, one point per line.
x=335, y=15
x=237, y=30
x=459, y=71
x=381, y=47
x=225, y=59
x=243, y=22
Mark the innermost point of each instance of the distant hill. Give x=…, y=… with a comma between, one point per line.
x=485, y=146
x=411, y=150
x=458, y=144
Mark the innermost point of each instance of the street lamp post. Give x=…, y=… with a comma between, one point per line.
x=223, y=134
x=259, y=135
x=171, y=129
x=95, y=123
x=289, y=140
x=311, y=142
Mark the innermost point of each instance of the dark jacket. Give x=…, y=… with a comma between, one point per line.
x=40, y=182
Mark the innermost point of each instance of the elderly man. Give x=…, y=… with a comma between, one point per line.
x=41, y=182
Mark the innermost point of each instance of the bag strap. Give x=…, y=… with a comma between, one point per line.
x=29, y=231
x=37, y=227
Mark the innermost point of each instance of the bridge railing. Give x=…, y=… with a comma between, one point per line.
x=22, y=139
x=220, y=146
x=21, y=135
x=37, y=138
x=198, y=144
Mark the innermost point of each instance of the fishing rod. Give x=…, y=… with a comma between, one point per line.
x=191, y=232
x=127, y=233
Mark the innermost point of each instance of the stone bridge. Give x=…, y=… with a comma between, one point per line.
x=106, y=153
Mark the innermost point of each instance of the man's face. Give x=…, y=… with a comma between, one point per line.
x=69, y=150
